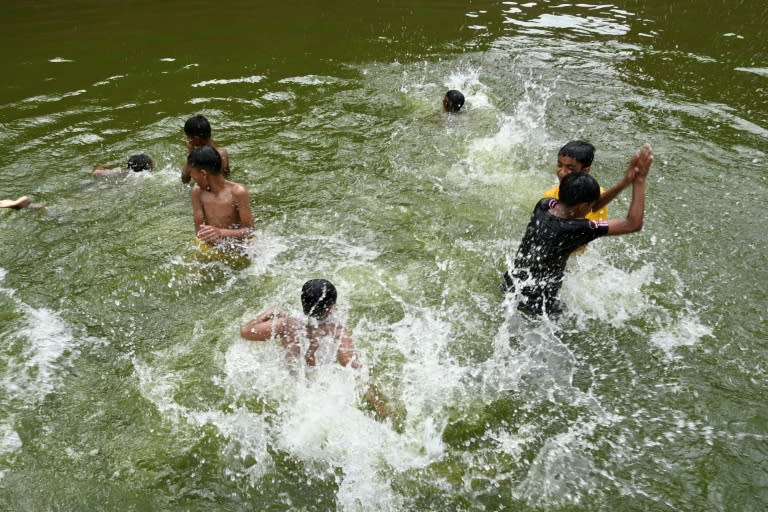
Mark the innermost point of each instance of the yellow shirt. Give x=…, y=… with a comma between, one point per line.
x=601, y=214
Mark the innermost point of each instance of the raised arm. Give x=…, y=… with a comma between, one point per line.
x=634, y=220
x=610, y=194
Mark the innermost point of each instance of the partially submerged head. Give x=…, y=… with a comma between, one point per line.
x=318, y=297
x=198, y=130
x=453, y=101
x=577, y=188
x=575, y=156
x=141, y=162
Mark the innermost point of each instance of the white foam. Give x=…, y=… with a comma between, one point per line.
x=430, y=377
x=9, y=440
x=595, y=289
x=684, y=332
x=47, y=345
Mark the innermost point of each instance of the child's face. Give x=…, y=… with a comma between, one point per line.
x=566, y=165
x=194, y=142
x=200, y=176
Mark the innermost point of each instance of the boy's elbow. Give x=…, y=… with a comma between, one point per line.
x=248, y=332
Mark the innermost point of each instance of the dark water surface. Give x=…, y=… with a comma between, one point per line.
x=126, y=385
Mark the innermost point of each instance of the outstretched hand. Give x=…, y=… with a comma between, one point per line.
x=640, y=163
x=644, y=159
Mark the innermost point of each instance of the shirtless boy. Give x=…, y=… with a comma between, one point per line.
x=325, y=340
x=221, y=208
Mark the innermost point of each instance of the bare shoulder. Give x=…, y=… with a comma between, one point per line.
x=237, y=189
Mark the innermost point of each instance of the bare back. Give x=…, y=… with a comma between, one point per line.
x=320, y=344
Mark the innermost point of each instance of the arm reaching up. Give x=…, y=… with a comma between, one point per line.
x=634, y=220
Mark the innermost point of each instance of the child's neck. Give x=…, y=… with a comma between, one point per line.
x=216, y=183
x=568, y=212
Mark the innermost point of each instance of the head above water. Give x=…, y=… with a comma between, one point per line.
x=577, y=188
x=198, y=126
x=205, y=158
x=453, y=101
x=582, y=152
x=318, y=297
x=138, y=163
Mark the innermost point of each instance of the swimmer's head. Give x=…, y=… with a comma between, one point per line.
x=577, y=188
x=318, y=297
x=205, y=158
x=582, y=152
x=197, y=126
x=138, y=163
x=453, y=101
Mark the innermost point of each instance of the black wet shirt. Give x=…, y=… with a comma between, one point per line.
x=540, y=261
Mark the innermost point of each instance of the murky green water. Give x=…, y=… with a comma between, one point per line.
x=126, y=386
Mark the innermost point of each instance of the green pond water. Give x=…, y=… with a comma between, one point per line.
x=126, y=385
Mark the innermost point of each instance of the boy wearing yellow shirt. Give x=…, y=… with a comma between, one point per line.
x=577, y=156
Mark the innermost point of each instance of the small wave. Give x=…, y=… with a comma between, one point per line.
x=310, y=80
x=585, y=25
x=221, y=81
x=107, y=80
x=757, y=71
x=50, y=98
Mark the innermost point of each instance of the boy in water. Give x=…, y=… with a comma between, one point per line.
x=325, y=339
x=198, y=132
x=453, y=101
x=577, y=156
x=136, y=163
x=557, y=227
x=221, y=208
x=328, y=340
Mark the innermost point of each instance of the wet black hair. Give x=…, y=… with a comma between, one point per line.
x=141, y=162
x=317, y=297
x=582, y=152
x=579, y=187
x=198, y=126
x=206, y=158
x=454, y=100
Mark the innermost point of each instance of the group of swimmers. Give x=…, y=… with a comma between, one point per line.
x=571, y=214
